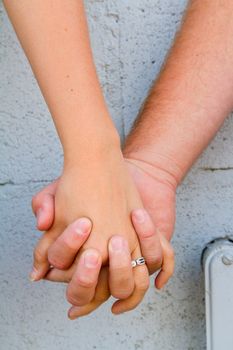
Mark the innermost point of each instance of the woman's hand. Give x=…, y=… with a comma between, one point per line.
x=100, y=189
x=158, y=194
x=157, y=189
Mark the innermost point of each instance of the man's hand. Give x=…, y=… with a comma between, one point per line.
x=157, y=190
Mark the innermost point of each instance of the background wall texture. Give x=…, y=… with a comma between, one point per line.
x=130, y=40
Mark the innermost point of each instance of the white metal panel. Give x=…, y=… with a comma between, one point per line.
x=218, y=266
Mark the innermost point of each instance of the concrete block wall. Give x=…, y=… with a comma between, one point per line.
x=130, y=40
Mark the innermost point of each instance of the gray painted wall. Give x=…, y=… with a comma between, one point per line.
x=130, y=40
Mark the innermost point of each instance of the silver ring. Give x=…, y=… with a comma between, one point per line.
x=138, y=262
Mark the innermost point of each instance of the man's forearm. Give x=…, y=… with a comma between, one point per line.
x=54, y=36
x=192, y=95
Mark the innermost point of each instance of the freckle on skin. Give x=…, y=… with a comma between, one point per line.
x=71, y=90
x=67, y=76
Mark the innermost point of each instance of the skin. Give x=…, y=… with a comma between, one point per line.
x=192, y=95
x=95, y=179
x=184, y=109
x=89, y=287
x=159, y=199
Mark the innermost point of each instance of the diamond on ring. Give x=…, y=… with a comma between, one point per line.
x=138, y=262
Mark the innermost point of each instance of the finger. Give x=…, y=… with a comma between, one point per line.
x=45, y=213
x=102, y=294
x=81, y=288
x=63, y=276
x=43, y=206
x=121, y=280
x=40, y=258
x=149, y=239
x=62, y=252
x=79, y=311
x=168, y=264
x=37, y=199
x=141, y=281
x=41, y=264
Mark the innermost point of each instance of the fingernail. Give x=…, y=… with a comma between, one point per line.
x=39, y=216
x=82, y=226
x=158, y=286
x=116, y=313
x=71, y=313
x=116, y=244
x=139, y=215
x=33, y=275
x=91, y=259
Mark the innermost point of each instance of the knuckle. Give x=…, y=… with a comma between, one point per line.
x=102, y=297
x=85, y=282
x=124, y=281
x=154, y=260
x=71, y=240
x=121, y=293
x=39, y=255
x=123, y=290
x=121, y=272
x=171, y=253
x=71, y=298
x=145, y=235
x=57, y=262
x=143, y=285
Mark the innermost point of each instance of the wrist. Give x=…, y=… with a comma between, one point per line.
x=92, y=150
x=158, y=166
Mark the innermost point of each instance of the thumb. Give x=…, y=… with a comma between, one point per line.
x=43, y=206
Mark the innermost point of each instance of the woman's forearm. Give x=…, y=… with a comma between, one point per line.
x=54, y=36
x=193, y=94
